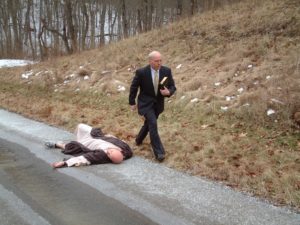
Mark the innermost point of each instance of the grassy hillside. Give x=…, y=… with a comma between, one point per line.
x=235, y=116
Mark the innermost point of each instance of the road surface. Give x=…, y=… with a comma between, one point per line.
x=31, y=192
x=145, y=190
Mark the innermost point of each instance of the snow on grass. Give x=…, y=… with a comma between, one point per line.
x=14, y=62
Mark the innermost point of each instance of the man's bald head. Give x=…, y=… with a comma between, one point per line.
x=155, y=60
x=115, y=155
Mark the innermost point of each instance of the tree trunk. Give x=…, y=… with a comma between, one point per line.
x=93, y=26
x=28, y=29
x=124, y=19
x=70, y=25
x=193, y=8
x=13, y=17
x=102, y=24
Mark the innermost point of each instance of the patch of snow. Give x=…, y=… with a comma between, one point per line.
x=47, y=71
x=224, y=108
x=268, y=77
x=217, y=83
x=27, y=74
x=38, y=73
x=229, y=98
x=182, y=97
x=246, y=104
x=195, y=100
x=270, y=112
x=204, y=126
x=179, y=66
x=105, y=71
x=117, y=81
x=240, y=90
x=277, y=101
x=14, y=62
x=86, y=77
x=250, y=66
x=121, y=88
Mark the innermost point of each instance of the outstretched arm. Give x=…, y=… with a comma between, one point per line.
x=75, y=161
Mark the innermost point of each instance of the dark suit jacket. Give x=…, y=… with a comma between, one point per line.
x=147, y=98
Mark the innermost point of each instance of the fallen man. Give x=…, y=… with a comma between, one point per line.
x=92, y=146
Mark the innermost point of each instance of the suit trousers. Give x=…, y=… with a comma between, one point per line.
x=150, y=125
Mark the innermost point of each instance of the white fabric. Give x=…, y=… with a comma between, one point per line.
x=84, y=137
x=77, y=161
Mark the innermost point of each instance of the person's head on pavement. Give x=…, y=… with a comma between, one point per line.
x=115, y=155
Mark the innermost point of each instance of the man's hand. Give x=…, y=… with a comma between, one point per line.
x=133, y=107
x=165, y=92
x=59, y=164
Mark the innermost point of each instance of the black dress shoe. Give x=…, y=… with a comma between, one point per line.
x=50, y=144
x=160, y=157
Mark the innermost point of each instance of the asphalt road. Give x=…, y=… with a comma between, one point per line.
x=142, y=192
x=31, y=192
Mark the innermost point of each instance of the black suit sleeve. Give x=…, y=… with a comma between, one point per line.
x=134, y=88
x=171, y=84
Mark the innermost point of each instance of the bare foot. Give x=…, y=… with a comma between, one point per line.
x=59, y=164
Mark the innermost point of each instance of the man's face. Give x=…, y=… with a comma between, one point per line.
x=156, y=62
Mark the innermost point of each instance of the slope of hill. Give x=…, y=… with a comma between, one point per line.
x=235, y=116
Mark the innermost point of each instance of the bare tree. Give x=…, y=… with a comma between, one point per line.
x=85, y=26
x=102, y=23
x=70, y=26
x=124, y=19
x=92, y=10
x=28, y=29
x=193, y=7
x=50, y=27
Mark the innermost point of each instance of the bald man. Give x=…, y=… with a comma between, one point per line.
x=92, y=146
x=150, y=101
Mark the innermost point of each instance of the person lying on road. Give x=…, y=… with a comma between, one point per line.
x=92, y=146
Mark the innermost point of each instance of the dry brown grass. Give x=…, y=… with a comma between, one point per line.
x=253, y=45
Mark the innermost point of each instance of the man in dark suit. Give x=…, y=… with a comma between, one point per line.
x=150, y=101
